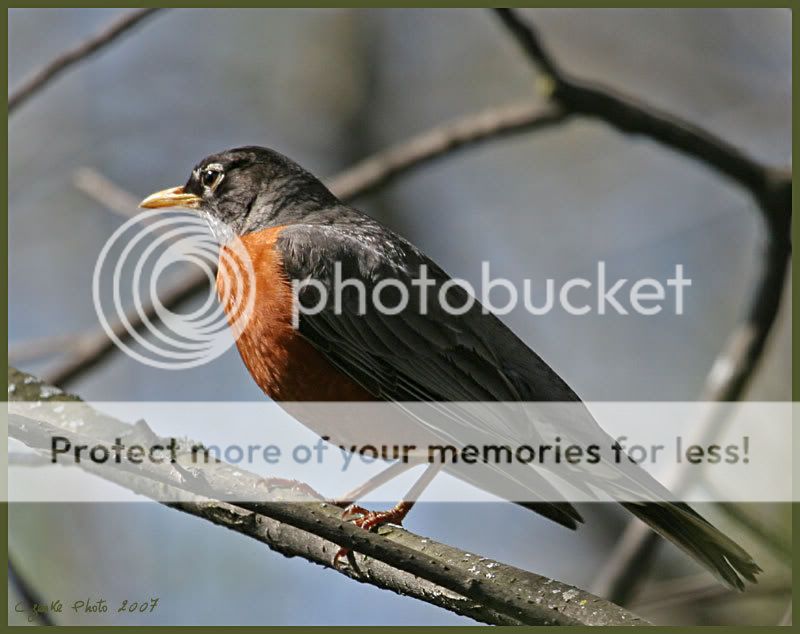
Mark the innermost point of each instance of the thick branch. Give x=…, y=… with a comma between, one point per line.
x=772, y=190
x=52, y=69
x=396, y=560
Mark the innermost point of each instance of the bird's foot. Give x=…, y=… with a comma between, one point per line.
x=293, y=485
x=369, y=520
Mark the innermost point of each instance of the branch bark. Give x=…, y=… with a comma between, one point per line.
x=42, y=77
x=772, y=190
x=396, y=559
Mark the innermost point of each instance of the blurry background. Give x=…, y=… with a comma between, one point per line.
x=328, y=87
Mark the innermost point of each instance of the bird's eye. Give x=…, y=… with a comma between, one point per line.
x=210, y=177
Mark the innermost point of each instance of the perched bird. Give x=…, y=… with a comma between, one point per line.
x=293, y=228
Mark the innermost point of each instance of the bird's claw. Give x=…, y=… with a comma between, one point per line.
x=367, y=520
x=293, y=485
x=353, y=509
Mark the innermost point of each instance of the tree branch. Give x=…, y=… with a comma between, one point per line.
x=491, y=124
x=772, y=190
x=39, y=79
x=631, y=115
x=105, y=192
x=92, y=347
x=396, y=560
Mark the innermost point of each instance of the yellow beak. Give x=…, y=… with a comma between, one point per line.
x=174, y=197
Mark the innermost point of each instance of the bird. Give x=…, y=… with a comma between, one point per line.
x=294, y=229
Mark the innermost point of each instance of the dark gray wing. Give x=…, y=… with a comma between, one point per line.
x=409, y=356
x=414, y=355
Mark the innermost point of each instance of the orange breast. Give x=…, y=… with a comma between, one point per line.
x=282, y=362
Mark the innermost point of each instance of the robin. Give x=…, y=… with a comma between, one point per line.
x=295, y=230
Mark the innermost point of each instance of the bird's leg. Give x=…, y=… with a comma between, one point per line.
x=373, y=519
x=347, y=500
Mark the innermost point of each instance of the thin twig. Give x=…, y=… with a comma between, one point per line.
x=39, y=79
x=104, y=191
x=31, y=349
x=461, y=582
x=83, y=350
x=770, y=187
x=74, y=348
x=491, y=124
x=92, y=347
x=377, y=170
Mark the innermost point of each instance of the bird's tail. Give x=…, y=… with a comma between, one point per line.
x=686, y=529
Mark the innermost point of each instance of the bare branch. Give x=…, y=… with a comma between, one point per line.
x=728, y=379
x=92, y=347
x=491, y=124
x=41, y=347
x=105, y=192
x=372, y=172
x=55, y=67
x=395, y=559
x=772, y=190
x=737, y=362
x=631, y=115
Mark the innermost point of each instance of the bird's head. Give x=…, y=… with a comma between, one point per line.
x=247, y=189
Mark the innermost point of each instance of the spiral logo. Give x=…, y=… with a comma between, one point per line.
x=139, y=258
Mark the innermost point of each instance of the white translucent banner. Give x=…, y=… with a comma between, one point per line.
x=522, y=452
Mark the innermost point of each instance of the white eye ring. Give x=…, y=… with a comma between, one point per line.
x=211, y=176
